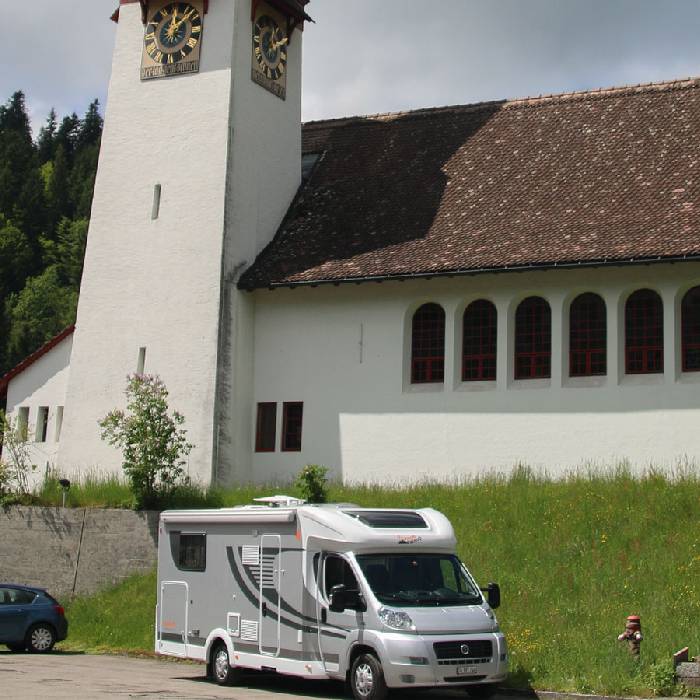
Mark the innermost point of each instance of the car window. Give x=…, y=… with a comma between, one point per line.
x=336, y=571
x=16, y=596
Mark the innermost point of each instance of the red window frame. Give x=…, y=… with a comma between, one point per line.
x=266, y=427
x=292, y=423
x=533, y=339
x=588, y=336
x=690, y=330
x=644, y=333
x=428, y=345
x=479, y=339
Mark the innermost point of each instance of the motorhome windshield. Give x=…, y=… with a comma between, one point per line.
x=418, y=579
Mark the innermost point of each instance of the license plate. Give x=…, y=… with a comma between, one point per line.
x=466, y=670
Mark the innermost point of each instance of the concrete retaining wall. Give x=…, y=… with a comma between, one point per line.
x=75, y=551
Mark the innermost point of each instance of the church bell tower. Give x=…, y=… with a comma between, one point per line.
x=200, y=160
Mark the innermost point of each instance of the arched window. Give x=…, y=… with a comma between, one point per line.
x=690, y=330
x=587, y=336
x=644, y=333
x=533, y=339
x=428, y=345
x=479, y=342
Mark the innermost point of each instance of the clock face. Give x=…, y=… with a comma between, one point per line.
x=172, y=40
x=270, y=54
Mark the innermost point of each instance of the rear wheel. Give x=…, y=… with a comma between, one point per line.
x=40, y=638
x=367, y=679
x=221, y=670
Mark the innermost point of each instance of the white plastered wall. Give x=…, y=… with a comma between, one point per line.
x=344, y=351
x=154, y=283
x=42, y=384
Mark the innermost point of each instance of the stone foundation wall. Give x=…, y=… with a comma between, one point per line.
x=75, y=551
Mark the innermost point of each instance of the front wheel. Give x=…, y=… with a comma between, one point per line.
x=367, y=679
x=221, y=670
x=40, y=638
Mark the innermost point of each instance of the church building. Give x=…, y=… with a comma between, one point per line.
x=432, y=294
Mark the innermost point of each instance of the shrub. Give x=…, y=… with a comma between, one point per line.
x=311, y=482
x=16, y=467
x=153, y=444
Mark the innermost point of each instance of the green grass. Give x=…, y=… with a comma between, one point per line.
x=574, y=557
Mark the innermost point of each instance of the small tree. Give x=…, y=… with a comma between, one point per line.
x=153, y=444
x=311, y=482
x=16, y=466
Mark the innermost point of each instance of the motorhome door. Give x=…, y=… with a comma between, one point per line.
x=173, y=617
x=269, y=593
x=336, y=627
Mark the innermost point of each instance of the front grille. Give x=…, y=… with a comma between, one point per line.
x=480, y=650
x=464, y=661
x=463, y=679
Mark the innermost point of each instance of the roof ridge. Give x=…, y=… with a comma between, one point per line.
x=544, y=99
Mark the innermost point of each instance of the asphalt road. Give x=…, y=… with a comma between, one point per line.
x=74, y=675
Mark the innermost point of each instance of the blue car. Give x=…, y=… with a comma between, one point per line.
x=30, y=619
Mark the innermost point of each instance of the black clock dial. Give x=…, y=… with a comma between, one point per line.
x=270, y=47
x=173, y=32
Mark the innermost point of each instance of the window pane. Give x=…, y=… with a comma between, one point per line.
x=644, y=341
x=587, y=336
x=479, y=341
x=428, y=344
x=533, y=339
x=292, y=424
x=690, y=330
x=192, y=552
x=265, y=433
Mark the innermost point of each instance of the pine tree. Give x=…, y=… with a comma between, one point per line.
x=90, y=131
x=46, y=144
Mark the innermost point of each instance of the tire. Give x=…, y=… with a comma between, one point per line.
x=221, y=671
x=482, y=691
x=16, y=647
x=367, y=678
x=40, y=638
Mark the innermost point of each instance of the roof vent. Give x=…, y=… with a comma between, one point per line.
x=389, y=519
x=280, y=501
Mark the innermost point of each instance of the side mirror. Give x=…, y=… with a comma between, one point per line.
x=337, y=598
x=493, y=594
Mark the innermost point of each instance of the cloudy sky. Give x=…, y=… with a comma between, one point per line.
x=367, y=56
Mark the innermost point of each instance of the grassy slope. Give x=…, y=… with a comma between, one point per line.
x=573, y=558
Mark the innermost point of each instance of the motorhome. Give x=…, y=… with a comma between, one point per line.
x=374, y=597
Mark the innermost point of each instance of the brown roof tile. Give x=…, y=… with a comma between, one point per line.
x=611, y=175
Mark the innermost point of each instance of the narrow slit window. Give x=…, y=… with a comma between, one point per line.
x=42, y=423
x=59, y=423
x=690, y=330
x=533, y=339
x=141, y=363
x=479, y=342
x=293, y=413
x=265, y=433
x=23, y=422
x=155, y=212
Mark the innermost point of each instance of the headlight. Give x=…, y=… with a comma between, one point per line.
x=396, y=619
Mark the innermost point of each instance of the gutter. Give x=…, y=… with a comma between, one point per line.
x=470, y=272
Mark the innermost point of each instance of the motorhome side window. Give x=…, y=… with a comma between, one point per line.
x=189, y=550
x=337, y=571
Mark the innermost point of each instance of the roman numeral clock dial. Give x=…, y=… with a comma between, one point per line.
x=270, y=43
x=172, y=40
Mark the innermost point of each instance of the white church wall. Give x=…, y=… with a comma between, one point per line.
x=344, y=351
x=154, y=283
x=42, y=385
x=264, y=175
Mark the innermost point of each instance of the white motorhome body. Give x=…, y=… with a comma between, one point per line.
x=315, y=591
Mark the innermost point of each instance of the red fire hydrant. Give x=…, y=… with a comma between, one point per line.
x=633, y=634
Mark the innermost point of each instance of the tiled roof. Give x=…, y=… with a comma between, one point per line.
x=31, y=359
x=581, y=178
